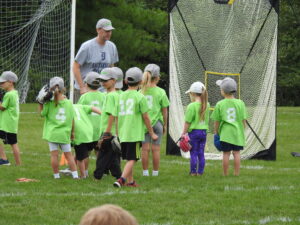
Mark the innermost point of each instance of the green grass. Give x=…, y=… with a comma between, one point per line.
x=266, y=192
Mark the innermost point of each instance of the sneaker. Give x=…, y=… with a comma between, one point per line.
x=4, y=162
x=119, y=183
x=132, y=184
x=66, y=171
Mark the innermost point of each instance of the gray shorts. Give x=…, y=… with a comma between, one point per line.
x=55, y=146
x=158, y=130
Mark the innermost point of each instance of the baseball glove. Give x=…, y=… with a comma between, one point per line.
x=104, y=137
x=184, y=143
x=44, y=95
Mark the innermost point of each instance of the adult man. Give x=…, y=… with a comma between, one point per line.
x=94, y=55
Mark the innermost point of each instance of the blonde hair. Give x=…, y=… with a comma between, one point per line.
x=146, y=81
x=108, y=214
x=204, y=100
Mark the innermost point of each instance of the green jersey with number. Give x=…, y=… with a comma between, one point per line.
x=132, y=106
x=109, y=107
x=156, y=99
x=58, y=121
x=231, y=113
x=83, y=126
x=94, y=99
x=193, y=118
x=10, y=116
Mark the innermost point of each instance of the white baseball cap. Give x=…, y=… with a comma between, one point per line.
x=153, y=69
x=196, y=87
x=119, y=74
x=56, y=81
x=134, y=75
x=93, y=79
x=104, y=24
x=228, y=85
x=107, y=74
x=8, y=76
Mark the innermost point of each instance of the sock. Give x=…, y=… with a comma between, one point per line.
x=56, y=176
x=145, y=172
x=75, y=174
x=155, y=173
x=123, y=179
x=87, y=173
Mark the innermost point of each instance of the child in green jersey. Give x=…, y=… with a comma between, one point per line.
x=230, y=117
x=94, y=98
x=59, y=126
x=158, y=113
x=132, y=115
x=119, y=82
x=196, y=124
x=107, y=158
x=83, y=130
x=9, y=117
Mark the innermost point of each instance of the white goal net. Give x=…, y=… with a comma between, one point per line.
x=35, y=42
x=210, y=41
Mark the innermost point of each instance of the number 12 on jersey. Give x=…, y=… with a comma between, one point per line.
x=126, y=107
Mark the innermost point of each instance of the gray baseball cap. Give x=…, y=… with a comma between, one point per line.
x=228, y=85
x=105, y=24
x=8, y=76
x=56, y=81
x=153, y=69
x=93, y=79
x=119, y=74
x=196, y=87
x=134, y=75
x=108, y=73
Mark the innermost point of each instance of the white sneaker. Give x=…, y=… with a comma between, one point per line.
x=66, y=172
x=146, y=173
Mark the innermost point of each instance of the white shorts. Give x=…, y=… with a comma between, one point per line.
x=56, y=146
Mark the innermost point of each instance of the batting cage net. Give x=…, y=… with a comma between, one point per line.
x=35, y=42
x=214, y=39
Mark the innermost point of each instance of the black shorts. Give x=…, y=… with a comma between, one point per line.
x=8, y=138
x=82, y=151
x=131, y=150
x=92, y=145
x=227, y=147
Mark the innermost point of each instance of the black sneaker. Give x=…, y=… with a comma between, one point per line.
x=4, y=162
x=119, y=183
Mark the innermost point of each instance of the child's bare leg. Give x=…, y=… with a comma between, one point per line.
x=237, y=162
x=54, y=161
x=70, y=160
x=226, y=156
x=128, y=170
x=145, y=155
x=156, y=156
x=81, y=165
x=2, y=153
x=16, y=151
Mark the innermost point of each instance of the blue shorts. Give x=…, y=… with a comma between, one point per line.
x=227, y=147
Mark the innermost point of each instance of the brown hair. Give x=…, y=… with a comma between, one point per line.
x=204, y=99
x=57, y=91
x=108, y=214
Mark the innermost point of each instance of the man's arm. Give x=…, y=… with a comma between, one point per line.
x=77, y=75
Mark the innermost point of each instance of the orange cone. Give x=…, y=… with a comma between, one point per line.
x=63, y=160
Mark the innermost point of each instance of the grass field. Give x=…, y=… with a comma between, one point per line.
x=266, y=192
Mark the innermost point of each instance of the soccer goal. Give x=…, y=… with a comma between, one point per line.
x=214, y=39
x=37, y=42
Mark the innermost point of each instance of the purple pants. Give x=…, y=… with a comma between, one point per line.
x=197, y=140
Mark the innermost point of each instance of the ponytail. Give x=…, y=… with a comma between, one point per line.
x=56, y=94
x=204, y=99
x=146, y=82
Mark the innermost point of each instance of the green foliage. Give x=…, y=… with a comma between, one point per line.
x=288, y=86
x=264, y=193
